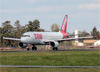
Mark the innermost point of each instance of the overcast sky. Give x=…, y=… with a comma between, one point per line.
x=82, y=14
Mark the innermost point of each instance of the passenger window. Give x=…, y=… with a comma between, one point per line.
x=25, y=35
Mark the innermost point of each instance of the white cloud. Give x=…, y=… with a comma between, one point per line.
x=98, y=0
x=48, y=8
x=30, y=1
x=38, y=9
x=43, y=9
x=54, y=16
x=89, y=6
x=80, y=15
x=7, y=11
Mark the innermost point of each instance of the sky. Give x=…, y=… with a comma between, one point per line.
x=82, y=14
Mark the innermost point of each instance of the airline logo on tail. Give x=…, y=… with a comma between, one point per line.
x=64, y=25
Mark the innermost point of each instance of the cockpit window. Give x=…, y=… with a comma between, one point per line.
x=25, y=35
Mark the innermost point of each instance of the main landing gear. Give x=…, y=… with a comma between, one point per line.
x=34, y=47
x=55, y=48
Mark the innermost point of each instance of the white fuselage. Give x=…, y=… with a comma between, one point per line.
x=38, y=38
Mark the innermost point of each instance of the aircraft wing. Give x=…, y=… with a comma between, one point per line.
x=11, y=38
x=69, y=39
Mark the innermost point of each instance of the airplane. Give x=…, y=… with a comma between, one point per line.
x=46, y=38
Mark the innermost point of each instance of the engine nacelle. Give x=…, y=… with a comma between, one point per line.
x=22, y=45
x=54, y=44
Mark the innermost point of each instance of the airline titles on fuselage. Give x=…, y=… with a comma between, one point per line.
x=38, y=36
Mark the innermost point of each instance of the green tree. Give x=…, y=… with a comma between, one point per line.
x=17, y=24
x=7, y=30
x=33, y=26
x=83, y=34
x=0, y=30
x=54, y=27
x=6, y=23
x=94, y=33
x=1, y=37
x=98, y=35
x=7, y=27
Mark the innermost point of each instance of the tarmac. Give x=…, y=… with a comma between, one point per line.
x=98, y=49
x=31, y=66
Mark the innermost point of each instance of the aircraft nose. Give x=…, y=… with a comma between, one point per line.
x=23, y=39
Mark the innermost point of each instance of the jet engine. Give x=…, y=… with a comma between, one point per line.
x=22, y=45
x=54, y=44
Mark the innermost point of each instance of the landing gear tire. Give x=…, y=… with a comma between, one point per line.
x=28, y=49
x=55, y=48
x=34, y=48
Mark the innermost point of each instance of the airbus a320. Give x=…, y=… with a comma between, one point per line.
x=46, y=38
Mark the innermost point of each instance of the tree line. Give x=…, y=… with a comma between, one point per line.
x=16, y=30
x=94, y=32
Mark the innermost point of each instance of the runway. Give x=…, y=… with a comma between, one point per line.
x=54, y=50
x=32, y=66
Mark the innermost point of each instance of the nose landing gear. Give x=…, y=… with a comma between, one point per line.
x=34, y=47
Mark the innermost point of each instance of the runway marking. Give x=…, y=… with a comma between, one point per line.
x=55, y=50
x=31, y=66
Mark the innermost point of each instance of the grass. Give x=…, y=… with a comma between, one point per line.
x=67, y=58
x=50, y=70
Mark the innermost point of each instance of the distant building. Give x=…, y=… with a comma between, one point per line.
x=77, y=43
x=97, y=43
x=90, y=41
x=41, y=30
x=76, y=36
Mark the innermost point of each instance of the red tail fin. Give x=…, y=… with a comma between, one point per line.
x=64, y=25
